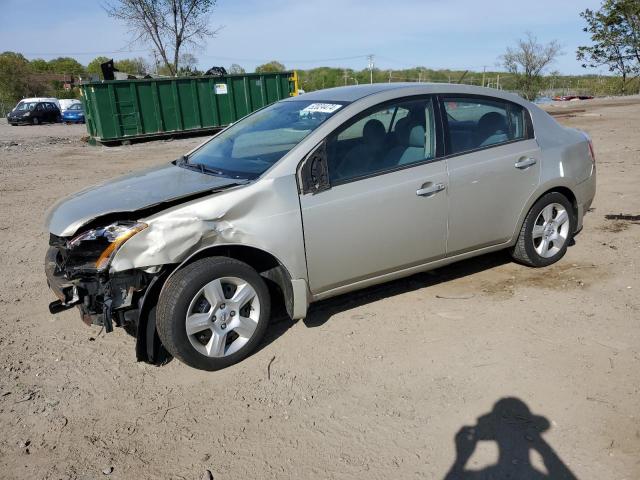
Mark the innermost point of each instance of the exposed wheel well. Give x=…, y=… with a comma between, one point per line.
x=567, y=193
x=277, y=276
x=564, y=191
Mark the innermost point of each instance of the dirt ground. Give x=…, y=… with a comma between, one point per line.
x=377, y=384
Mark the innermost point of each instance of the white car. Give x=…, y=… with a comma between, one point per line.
x=66, y=103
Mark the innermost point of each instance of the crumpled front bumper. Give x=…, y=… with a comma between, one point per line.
x=125, y=299
x=101, y=298
x=76, y=292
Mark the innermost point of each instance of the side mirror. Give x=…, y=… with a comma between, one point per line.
x=315, y=174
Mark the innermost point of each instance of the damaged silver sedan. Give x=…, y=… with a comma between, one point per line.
x=309, y=198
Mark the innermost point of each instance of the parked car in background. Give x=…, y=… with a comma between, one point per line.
x=34, y=112
x=65, y=103
x=313, y=197
x=73, y=114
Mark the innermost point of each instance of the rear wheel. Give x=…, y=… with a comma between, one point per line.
x=35, y=121
x=213, y=312
x=546, y=231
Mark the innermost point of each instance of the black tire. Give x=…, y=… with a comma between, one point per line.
x=177, y=294
x=524, y=251
x=35, y=121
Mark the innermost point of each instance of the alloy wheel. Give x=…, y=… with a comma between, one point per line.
x=222, y=316
x=550, y=230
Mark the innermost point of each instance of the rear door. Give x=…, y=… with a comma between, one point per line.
x=494, y=167
x=41, y=112
x=385, y=207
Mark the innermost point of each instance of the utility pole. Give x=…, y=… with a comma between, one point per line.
x=346, y=76
x=370, y=58
x=484, y=69
x=498, y=82
x=390, y=75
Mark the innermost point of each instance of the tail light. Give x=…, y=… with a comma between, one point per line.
x=592, y=154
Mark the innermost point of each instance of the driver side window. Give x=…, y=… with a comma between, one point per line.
x=381, y=139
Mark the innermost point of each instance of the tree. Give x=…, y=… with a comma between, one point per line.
x=14, y=70
x=94, y=66
x=270, y=67
x=168, y=25
x=16, y=80
x=39, y=65
x=236, y=69
x=615, y=33
x=66, y=65
x=189, y=65
x=132, y=66
x=527, y=62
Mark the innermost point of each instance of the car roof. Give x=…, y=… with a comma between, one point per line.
x=352, y=93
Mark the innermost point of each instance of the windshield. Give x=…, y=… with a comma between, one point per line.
x=75, y=106
x=248, y=148
x=24, y=106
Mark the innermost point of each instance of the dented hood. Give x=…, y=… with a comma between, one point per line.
x=136, y=191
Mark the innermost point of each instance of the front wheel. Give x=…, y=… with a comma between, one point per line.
x=35, y=121
x=213, y=312
x=546, y=231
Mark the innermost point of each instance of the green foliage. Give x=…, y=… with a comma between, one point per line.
x=40, y=65
x=94, y=66
x=13, y=71
x=270, y=67
x=615, y=36
x=17, y=80
x=132, y=66
x=66, y=65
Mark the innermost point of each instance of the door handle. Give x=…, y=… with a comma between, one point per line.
x=429, y=189
x=525, y=163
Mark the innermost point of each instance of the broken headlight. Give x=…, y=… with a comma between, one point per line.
x=98, y=245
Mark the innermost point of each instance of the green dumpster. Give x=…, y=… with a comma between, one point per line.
x=123, y=110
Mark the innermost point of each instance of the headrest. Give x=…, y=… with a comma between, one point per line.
x=416, y=136
x=491, y=123
x=373, y=131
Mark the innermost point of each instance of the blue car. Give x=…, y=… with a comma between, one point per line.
x=73, y=114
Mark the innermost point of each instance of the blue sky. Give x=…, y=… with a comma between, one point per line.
x=460, y=34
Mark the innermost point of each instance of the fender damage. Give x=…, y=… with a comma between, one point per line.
x=176, y=231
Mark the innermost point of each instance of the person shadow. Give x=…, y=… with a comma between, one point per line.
x=517, y=432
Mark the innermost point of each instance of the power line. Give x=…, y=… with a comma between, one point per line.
x=63, y=54
x=317, y=60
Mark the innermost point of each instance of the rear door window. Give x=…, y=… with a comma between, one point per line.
x=475, y=123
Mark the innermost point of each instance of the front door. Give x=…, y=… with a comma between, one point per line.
x=386, y=208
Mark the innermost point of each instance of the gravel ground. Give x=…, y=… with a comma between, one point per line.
x=485, y=361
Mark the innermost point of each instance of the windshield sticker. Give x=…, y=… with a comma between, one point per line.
x=321, y=108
